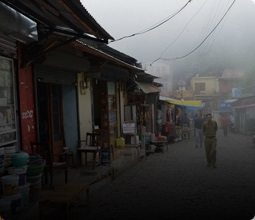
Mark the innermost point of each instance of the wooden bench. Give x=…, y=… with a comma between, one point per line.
x=63, y=197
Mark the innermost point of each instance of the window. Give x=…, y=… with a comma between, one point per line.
x=199, y=87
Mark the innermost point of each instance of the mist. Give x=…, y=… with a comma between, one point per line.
x=231, y=45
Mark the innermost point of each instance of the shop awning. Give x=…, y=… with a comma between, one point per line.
x=65, y=15
x=192, y=103
x=147, y=87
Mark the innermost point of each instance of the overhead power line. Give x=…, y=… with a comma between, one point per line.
x=181, y=57
x=178, y=35
x=155, y=25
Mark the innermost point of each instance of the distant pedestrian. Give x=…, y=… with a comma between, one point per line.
x=224, y=124
x=210, y=128
x=198, y=124
x=231, y=123
x=193, y=125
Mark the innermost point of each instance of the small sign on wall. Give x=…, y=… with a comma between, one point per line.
x=129, y=128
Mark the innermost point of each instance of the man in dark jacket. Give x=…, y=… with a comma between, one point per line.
x=210, y=128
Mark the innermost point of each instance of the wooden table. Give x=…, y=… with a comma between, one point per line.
x=63, y=197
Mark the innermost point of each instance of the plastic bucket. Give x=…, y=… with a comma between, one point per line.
x=10, y=184
x=20, y=159
x=5, y=205
x=34, y=179
x=21, y=172
x=7, y=160
x=5, y=208
x=35, y=190
x=16, y=202
x=35, y=169
x=24, y=191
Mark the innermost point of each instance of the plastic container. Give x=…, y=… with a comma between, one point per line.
x=35, y=190
x=120, y=142
x=5, y=208
x=35, y=170
x=7, y=160
x=34, y=179
x=25, y=192
x=20, y=159
x=15, y=201
x=135, y=139
x=21, y=172
x=5, y=204
x=10, y=184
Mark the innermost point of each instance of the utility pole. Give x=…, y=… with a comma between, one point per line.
x=181, y=83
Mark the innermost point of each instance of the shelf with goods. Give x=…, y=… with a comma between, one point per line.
x=7, y=106
x=109, y=111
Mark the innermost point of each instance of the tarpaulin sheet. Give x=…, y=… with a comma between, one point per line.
x=192, y=103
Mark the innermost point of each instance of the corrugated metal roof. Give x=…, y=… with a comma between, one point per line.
x=95, y=52
x=147, y=87
x=69, y=14
x=109, y=50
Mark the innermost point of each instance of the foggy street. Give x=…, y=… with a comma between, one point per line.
x=177, y=184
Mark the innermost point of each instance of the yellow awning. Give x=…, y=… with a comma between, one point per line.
x=194, y=103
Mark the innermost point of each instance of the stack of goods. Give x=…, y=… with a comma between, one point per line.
x=15, y=164
x=8, y=153
x=35, y=168
x=23, y=185
x=11, y=198
x=19, y=166
x=161, y=138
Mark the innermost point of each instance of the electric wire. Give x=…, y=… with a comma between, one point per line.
x=208, y=25
x=211, y=21
x=155, y=25
x=181, y=57
x=210, y=42
x=179, y=34
x=213, y=38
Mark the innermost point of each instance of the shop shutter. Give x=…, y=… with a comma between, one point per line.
x=57, y=75
x=8, y=46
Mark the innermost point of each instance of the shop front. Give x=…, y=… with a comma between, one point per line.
x=141, y=110
x=16, y=115
x=57, y=101
x=178, y=118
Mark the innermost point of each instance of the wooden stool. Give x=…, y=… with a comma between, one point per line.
x=63, y=197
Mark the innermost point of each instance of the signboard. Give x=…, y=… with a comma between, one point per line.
x=129, y=128
x=225, y=107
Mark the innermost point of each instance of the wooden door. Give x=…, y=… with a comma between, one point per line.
x=50, y=115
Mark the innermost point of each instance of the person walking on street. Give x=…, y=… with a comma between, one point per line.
x=224, y=125
x=198, y=124
x=210, y=128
